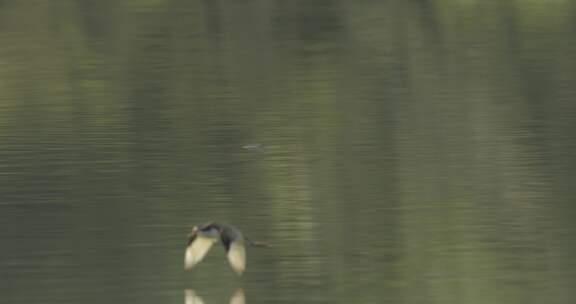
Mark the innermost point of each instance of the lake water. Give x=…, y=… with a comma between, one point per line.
x=389, y=151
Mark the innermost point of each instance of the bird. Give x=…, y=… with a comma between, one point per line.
x=202, y=237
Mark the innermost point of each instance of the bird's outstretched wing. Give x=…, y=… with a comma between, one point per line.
x=237, y=256
x=197, y=249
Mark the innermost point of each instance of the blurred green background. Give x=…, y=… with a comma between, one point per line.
x=412, y=151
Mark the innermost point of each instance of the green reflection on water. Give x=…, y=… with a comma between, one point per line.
x=414, y=151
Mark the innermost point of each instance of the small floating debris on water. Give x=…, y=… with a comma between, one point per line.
x=253, y=147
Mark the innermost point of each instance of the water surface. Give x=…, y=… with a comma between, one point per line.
x=390, y=151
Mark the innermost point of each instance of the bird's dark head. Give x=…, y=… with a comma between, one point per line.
x=212, y=226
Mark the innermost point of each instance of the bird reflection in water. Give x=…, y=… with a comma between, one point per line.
x=191, y=297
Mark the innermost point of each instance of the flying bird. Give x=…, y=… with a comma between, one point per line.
x=201, y=239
